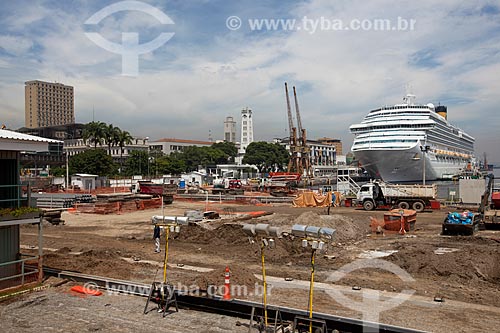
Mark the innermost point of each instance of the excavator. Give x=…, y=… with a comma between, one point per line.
x=467, y=223
x=488, y=215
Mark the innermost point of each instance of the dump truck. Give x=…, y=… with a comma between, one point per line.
x=166, y=191
x=228, y=186
x=378, y=194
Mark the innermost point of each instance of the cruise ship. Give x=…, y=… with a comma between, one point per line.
x=395, y=143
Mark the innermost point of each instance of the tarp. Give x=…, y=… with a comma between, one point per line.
x=311, y=199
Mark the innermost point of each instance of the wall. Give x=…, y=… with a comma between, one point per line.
x=9, y=249
x=471, y=190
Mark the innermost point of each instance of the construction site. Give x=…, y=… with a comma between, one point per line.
x=454, y=279
x=289, y=253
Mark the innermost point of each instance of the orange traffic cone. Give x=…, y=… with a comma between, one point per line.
x=227, y=285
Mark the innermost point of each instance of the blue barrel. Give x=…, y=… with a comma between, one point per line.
x=182, y=183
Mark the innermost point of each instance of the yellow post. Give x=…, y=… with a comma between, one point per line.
x=264, y=281
x=167, y=233
x=311, y=289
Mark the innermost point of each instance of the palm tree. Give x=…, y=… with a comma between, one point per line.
x=123, y=138
x=111, y=136
x=94, y=133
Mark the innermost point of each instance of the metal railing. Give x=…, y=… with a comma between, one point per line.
x=347, y=185
x=23, y=273
x=13, y=194
x=221, y=197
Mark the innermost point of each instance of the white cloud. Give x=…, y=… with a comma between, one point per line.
x=340, y=75
x=22, y=19
x=15, y=45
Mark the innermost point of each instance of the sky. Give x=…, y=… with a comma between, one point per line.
x=210, y=68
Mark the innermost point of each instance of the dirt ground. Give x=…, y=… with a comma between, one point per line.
x=463, y=271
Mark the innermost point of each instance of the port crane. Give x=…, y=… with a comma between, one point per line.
x=299, y=150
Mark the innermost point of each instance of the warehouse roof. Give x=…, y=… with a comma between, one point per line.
x=10, y=140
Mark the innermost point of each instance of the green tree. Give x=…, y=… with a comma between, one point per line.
x=110, y=136
x=191, y=156
x=201, y=156
x=123, y=138
x=94, y=133
x=137, y=163
x=172, y=165
x=266, y=156
x=228, y=148
x=93, y=161
x=58, y=171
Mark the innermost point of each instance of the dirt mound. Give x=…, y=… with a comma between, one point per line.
x=98, y=262
x=347, y=229
x=224, y=234
x=240, y=275
x=466, y=266
x=100, y=254
x=64, y=250
x=278, y=220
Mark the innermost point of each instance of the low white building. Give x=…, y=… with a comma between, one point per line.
x=195, y=178
x=170, y=145
x=76, y=146
x=84, y=181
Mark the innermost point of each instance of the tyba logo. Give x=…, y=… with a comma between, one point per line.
x=130, y=49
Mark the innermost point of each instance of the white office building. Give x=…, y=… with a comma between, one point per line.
x=246, y=129
x=230, y=130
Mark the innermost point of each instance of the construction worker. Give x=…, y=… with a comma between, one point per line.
x=156, y=237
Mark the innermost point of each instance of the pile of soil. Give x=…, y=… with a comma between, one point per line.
x=96, y=262
x=348, y=230
x=240, y=275
x=467, y=265
x=224, y=234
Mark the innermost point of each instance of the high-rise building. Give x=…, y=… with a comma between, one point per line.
x=246, y=129
x=230, y=130
x=48, y=104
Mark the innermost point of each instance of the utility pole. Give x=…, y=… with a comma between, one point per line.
x=67, y=170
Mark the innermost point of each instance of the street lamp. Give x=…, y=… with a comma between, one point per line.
x=267, y=234
x=424, y=150
x=318, y=238
x=171, y=224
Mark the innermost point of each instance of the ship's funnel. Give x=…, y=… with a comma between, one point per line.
x=442, y=111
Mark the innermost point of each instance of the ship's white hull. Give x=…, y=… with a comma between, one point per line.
x=406, y=165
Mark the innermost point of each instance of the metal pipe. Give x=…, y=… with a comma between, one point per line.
x=264, y=281
x=40, y=250
x=167, y=233
x=423, y=172
x=311, y=289
x=67, y=170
